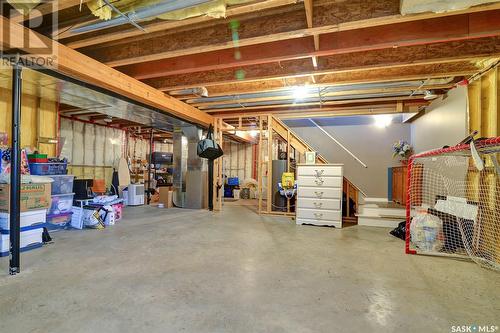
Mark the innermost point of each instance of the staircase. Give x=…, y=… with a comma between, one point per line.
x=378, y=212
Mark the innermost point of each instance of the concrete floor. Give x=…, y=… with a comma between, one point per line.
x=193, y=271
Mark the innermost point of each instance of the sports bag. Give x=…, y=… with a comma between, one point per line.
x=208, y=148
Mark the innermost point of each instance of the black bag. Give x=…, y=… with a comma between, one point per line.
x=399, y=231
x=208, y=148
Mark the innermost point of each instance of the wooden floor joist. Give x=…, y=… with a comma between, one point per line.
x=79, y=66
x=444, y=29
x=260, y=30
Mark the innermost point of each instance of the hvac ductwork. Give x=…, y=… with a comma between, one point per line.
x=141, y=14
x=188, y=175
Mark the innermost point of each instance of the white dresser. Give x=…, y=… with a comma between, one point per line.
x=319, y=194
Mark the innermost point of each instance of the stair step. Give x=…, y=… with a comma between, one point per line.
x=379, y=211
x=377, y=221
x=380, y=200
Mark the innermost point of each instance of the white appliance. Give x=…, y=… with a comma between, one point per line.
x=135, y=194
x=319, y=194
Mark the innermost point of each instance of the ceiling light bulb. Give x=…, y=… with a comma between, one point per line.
x=383, y=120
x=300, y=92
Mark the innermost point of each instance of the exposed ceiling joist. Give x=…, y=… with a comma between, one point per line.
x=276, y=28
x=167, y=25
x=309, y=8
x=462, y=27
x=464, y=52
x=45, y=8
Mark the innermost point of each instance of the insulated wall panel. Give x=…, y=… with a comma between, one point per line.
x=78, y=149
x=89, y=144
x=66, y=134
x=99, y=146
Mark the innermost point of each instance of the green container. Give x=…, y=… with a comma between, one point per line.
x=37, y=156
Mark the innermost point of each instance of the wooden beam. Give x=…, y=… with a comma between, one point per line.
x=46, y=8
x=458, y=51
x=77, y=65
x=168, y=25
x=277, y=27
x=223, y=59
x=309, y=8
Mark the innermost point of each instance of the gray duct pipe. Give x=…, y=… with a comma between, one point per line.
x=305, y=100
x=200, y=91
x=312, y=90
x=188, y=168
x=141, y=14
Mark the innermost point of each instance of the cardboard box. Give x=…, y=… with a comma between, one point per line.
x=33, y=196
x=166, y=195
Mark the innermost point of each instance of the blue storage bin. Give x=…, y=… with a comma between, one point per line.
x=233, y=181
x=47, y=169
x=228, y=192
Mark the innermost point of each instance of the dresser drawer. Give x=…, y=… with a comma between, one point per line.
x=330, y=204
x=315, y=214
x=319, y=181
x=320, y=170
x=336, y=224
x=319, y=193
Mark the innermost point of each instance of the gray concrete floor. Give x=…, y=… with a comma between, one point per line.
x=192, y=271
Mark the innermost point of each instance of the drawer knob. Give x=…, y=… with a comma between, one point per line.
x=318, y=204
x=319, y=181
x=319, y=173
x=319, y=194
x=318, y=215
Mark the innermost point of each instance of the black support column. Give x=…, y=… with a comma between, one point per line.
x=210, y=184
x=15, y=173
x=151, y=144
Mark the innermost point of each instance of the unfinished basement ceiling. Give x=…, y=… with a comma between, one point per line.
x=438, y=6
x=359, y=56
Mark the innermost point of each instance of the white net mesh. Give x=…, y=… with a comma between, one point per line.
x=454, y=202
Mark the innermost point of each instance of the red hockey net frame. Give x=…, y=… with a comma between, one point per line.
x=488, y=150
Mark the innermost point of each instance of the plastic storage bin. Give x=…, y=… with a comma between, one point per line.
x=63, y=184
x=58, y=220
x=61, y=203
x=31, y=238
x=29, y=218
x=47, y=169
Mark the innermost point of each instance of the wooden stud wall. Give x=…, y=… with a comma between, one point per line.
x=271, y=127
x=484, y=109
x=38, y=118
x=484, y=104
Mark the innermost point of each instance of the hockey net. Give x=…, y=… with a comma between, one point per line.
x=453, y=203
